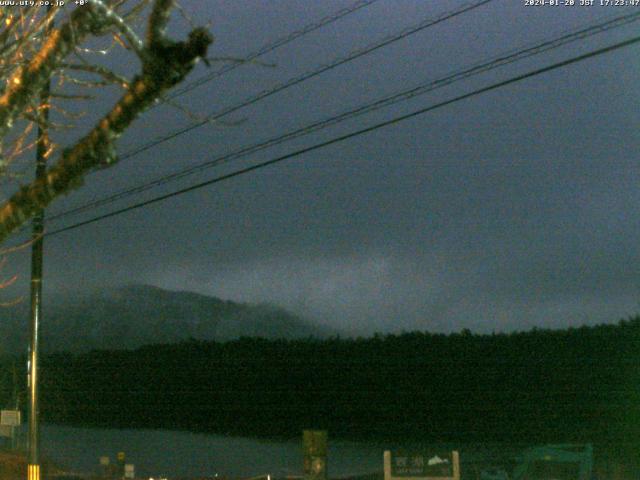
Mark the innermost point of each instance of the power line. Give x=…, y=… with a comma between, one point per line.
x=270, y=47
x=356, y=133
x=478, y=68
x=427, y=23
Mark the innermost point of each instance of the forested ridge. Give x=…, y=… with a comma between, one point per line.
x=580, y=384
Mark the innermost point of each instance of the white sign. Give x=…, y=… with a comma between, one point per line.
x=421, y=465
x=10, y=417
x=129, y=470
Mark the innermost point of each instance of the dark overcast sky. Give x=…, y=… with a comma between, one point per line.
x=513, y=209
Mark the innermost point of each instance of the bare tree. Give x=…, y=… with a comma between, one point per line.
x=38, y=45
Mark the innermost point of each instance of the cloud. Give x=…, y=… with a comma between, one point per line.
x=515, y=208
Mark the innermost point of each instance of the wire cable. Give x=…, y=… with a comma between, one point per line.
x=270, y=47
x=353, y=134
x=427, y=23
x=476, y=69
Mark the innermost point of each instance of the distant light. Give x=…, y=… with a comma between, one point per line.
x=16, y=80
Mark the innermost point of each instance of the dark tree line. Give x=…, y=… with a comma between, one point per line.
x=572, y=385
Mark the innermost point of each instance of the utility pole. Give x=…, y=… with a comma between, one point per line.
x=42, y=151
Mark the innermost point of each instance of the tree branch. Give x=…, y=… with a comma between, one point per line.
x=27, y=82
x=105, y=73
x=158, y=21
x=166, y=63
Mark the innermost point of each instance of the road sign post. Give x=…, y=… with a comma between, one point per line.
x=121, y=457
x=315, y=454
x=129, y=471
x=105, y=467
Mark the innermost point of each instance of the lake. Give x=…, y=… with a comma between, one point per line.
x=184, y=454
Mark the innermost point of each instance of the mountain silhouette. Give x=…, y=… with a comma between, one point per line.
x=136, y=315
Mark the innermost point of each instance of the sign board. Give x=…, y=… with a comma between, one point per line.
x=10, y=417
x=421, y=465
x=315, y=443
x=6, y=431
x=129, y=470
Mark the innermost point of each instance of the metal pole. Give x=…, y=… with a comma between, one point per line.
x=42, y=148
